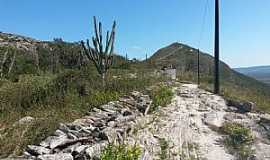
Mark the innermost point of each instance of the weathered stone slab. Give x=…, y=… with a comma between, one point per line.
x=58, y=156
x=37, y=150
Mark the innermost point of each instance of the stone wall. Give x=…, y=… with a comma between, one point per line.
x=86, y=137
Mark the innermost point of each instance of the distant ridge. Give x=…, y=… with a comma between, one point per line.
x=261, y=73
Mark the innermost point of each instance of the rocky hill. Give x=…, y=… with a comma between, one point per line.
x=233, y=83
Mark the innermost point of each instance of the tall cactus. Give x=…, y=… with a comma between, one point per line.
x=101, y=56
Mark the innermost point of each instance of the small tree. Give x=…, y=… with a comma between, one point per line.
x=99, y=55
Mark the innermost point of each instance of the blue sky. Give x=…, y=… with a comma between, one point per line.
x=143, y=26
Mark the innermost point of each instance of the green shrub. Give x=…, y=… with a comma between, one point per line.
x=161, y=96
x=101, y=97
x=238, y=134
x=121, y=152
x=238, y=139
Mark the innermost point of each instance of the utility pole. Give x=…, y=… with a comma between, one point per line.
x=216, y=85
x=198, y=64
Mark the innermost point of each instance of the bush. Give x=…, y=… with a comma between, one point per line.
x=121, y=152
x=101, y=97
x=238, y=134
x=161, y=96
x=238, y=139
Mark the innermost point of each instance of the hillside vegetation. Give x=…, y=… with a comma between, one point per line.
x=54, y=82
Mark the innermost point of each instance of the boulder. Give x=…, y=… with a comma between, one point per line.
x=213, y=119
x=25, y=120
x=242, y=107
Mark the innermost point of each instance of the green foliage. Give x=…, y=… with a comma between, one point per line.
x=161, y=96
x=121, y=152
x=24, y=64
x=100, y=97
x=56, y=98
x=164, y=149
x=238, y=139
x=238, y=134
x=20, y=95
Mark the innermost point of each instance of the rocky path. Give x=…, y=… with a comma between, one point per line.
x=187, y=128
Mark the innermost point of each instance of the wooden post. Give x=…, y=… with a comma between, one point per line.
x=216, y=74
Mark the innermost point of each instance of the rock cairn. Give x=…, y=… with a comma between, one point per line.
x=86, y=137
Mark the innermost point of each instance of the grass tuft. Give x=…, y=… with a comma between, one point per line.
x=121, y=152
x=161, y=96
